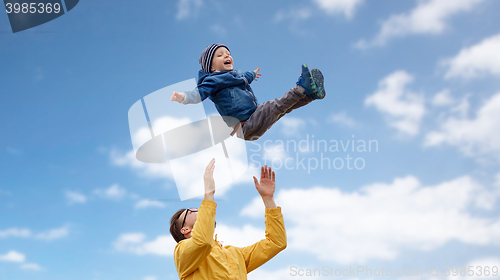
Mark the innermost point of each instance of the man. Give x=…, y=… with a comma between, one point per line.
x=198, y=256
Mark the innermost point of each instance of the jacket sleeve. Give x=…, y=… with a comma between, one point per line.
x=191, y=97
x=275, y=241
x=250, y=76
x=190, y=253
x=207, y=88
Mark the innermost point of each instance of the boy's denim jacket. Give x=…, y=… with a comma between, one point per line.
x=229, y=90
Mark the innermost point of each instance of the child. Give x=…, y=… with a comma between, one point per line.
x=233, y=97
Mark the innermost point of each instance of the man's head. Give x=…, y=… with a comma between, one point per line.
x=216, y=57
x=182, y=223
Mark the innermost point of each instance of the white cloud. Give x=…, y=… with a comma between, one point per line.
x=473, y=136
x=15, y=232
x=291, y=125
x=347, y=8
x=478, y=60
x=273, y=153
x=136, y=243
x=48, y=235
x=147, y=203
x=53, y=234
x=75, y=197
x=150, y=278
x=429, y=17
x=163, y=245
x=342, y=118
x=187, y=8
x=380, y=220
x=402, y=108
x=240, y=237
x=31, y=266
x=130, y=238
x=115, y=192
x=157, y=170
x=462, y=108
x=12, y=256
x=443, y=98
x=334, y=7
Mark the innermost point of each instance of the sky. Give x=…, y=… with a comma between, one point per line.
x=396, y=171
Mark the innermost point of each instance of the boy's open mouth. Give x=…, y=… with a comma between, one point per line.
x=227, y=62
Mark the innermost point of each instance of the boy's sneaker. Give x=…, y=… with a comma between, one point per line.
x=319, y=81
x=306, y=80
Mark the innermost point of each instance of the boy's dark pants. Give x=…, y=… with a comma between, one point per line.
x=271, y=111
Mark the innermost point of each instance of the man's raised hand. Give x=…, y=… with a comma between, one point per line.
x=208, y=179
x=266, y=186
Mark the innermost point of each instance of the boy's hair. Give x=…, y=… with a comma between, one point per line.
x=206, y=56
x=175, y=231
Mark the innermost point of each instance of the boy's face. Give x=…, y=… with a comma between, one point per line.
x=222, y=60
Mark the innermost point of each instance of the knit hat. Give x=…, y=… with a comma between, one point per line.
x=206, y=56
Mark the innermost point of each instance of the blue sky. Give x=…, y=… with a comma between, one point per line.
x=419, y=78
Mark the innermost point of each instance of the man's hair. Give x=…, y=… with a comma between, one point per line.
x=175, y=230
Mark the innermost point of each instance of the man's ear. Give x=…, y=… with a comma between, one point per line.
x=185, y=230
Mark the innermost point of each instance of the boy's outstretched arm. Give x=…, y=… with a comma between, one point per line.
x=187, y=97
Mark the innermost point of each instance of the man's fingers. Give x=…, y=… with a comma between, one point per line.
x=273, y=176
x=255, y=181
x=210, y=166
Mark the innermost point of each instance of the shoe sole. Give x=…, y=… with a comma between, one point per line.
x=311, y=79
x=318, y=80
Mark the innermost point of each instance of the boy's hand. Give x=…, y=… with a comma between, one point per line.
x=257, y=75
x=177, y=96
